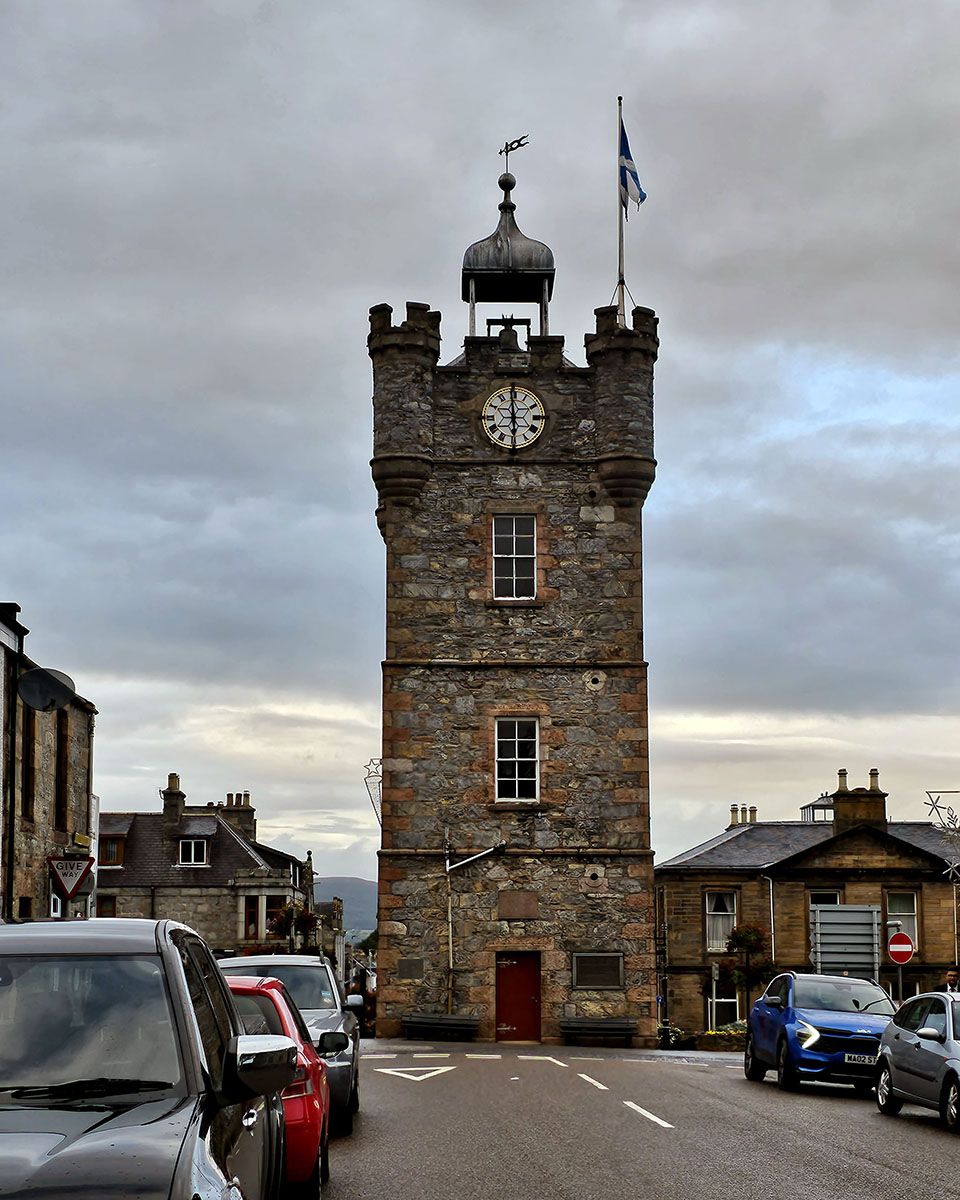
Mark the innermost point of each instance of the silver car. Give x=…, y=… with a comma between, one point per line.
x=319, y=996
x=919, y=1060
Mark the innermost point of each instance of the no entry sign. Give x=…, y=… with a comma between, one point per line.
x=900, y=948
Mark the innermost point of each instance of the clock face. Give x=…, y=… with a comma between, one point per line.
x=513, y=417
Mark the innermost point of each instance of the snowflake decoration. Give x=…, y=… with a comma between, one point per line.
x=945, y=816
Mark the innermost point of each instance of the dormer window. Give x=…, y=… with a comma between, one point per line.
x=111, y=852
x=193, y=852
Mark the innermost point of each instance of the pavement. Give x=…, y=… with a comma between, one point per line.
x=369, y=1047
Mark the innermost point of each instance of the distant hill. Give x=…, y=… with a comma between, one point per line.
x=359, y=898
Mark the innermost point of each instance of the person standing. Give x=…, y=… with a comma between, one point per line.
x=951, y=982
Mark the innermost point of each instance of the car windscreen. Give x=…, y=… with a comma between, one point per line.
x=85, y=1026
x=834, y=996
x=310, y=986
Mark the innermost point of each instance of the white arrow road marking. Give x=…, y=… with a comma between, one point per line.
x=414, y=1074
x=602, y=1086
x=649, y=1115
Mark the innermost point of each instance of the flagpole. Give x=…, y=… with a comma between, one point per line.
x=621, y=284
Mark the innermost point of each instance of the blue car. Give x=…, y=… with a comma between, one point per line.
x=809, y=1027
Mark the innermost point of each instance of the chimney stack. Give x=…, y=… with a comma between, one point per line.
x=241, y=814
x=859, y=806
x=173, y=802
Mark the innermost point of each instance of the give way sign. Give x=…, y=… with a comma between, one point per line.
x=69, y=873
x=900, y=948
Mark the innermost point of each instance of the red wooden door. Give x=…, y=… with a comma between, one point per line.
x=518, y=996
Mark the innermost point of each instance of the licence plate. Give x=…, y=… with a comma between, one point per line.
x=868, y=1060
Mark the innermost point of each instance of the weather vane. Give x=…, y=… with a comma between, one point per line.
x=508, y=148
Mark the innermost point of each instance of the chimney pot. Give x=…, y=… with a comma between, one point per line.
x=229, y=799
x=753, y=814
x=743, y=814
x=874, y=780
x=841, y=780
x=173, y=782
x=734, y=815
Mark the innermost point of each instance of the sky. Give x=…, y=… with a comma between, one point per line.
x=202, y=199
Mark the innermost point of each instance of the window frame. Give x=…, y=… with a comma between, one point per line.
x=193, y=862
x=711, y=945
x=500, y=779
x=905, y=927
x=509, y=582
x=824, y=903
x=117, y=861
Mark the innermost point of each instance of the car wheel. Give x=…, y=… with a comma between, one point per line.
x=343, y=1120
x=950, y=1105
x=753, y=1068
x=887, y=1102
x=325, y=1154
x=787, y=1079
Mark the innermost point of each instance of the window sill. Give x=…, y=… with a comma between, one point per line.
x=518, y=805
x=493, y=602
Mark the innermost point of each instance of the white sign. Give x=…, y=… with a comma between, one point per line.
x=69, y=873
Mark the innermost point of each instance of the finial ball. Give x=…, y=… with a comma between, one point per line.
x=507, y=181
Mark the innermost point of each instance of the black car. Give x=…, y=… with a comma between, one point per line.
x=125, y=1071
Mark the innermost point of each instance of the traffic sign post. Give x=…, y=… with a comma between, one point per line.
x=69, y=873
x=900, y=948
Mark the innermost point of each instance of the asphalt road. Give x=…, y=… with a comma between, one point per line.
x=478, y=1122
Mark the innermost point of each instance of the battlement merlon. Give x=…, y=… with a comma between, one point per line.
x=610, y=335
x=417, y=336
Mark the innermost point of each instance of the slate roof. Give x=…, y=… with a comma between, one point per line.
x=152, y=851
x=765, y=843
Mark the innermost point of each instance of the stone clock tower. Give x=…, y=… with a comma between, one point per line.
x=516, y=876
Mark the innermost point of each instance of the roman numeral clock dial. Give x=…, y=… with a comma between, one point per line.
x=513, y=417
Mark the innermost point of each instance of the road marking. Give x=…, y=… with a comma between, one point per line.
x=497, y=1056
x=542, y=1058
x=649, y=1115
x=431, y=1056
x=378, y=1056
x=602, y=1086
x=422, y=1073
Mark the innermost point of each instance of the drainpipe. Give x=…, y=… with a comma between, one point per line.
x=448, y=866
x=773, y=936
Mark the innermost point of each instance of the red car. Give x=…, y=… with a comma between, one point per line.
x=267, y=1007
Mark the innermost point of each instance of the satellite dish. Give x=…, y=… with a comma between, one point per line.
x=45, y=689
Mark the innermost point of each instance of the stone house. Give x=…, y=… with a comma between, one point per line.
x=203, y=865
x=515, y=870
x=49, y=809
x=842, y=862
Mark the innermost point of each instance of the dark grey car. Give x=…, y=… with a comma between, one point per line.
x=125, y=1071
x=319, y=996
x=919, y=1059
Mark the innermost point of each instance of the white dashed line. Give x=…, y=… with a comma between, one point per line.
x=378, y=1056
x=496, y=1056
x=649, y=1115
x=431, y=1056
x=602, y=1086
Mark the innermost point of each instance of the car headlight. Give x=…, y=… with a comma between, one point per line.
x=807, y=1034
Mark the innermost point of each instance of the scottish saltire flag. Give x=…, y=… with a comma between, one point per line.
x=630, y=188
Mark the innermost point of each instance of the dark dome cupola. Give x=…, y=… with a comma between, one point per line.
x=507, y=267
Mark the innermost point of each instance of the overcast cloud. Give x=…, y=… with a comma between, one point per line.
x=203, y=199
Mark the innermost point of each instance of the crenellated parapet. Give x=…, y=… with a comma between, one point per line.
x=404, y=357
x=623, y=361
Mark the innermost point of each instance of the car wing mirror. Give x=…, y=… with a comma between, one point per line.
x=354, y=1000
x=258, y=1065
x=934, y=1035
x=332, y=1042
x=773, y=1001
